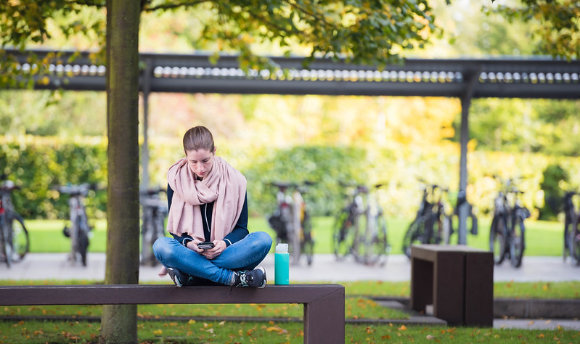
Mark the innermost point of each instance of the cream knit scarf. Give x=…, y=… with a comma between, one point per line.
x=223, y=185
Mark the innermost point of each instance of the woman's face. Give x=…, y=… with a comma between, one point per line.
x=200, y=161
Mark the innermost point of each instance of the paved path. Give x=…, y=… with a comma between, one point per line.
x=324, y=268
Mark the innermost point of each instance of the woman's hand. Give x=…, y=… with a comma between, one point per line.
x=192, y=245
x=219, y=247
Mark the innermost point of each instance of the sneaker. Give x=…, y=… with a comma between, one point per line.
x=176, y=276
x=250, y=278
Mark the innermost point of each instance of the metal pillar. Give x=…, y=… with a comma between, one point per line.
x=145, y=147
x=472, y=79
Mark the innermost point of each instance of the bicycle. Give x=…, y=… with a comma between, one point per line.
x=507, y=232
x=432, y=224
x=14, y=239
x=153, y=213
x=571, y=228
x=79, y=229
x=291, y=220
x=369, y=246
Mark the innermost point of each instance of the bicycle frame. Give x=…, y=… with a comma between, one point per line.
x=372, y=235
x=154, y=211
x=79, y=230
x=369, y=244
x=290, y=219
x=14, y=241
x=571, y=228
x=509, y=213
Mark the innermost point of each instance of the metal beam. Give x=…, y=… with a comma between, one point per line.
x=472, y=77
x=504, y=78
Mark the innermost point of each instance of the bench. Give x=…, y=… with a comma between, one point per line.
x=456, y=280
x=323, y=303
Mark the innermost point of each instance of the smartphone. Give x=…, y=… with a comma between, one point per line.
x=205, y=245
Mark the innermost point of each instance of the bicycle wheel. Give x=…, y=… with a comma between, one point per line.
x=379, y=244
x=414, y=235
x=446, y=230
x=517, y=244
x=345, y=229
x=497, y=238
x=567, y=230
x=20, y=241
x=4, y=242
x=574, y=243
x=147, y=239
x=159, y=230
x=82, y=238
x=307, y=242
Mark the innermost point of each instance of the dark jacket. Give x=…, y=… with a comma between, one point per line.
x=238, y=233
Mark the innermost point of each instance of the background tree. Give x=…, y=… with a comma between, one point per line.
x=555, y=24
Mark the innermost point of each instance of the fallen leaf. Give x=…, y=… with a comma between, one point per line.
x=276, y=329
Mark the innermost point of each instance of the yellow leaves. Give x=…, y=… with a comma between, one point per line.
x=276, y=329
x=546, y=286
x=45, y=80
x=158, y=332
x=259, y=307
x=402, y=328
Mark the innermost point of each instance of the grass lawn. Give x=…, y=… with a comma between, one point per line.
x=542, y=238
x=247, y=332
x=354, y=289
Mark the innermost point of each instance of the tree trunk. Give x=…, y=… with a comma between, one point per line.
x=119, y=322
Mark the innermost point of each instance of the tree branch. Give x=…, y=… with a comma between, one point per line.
x=174, y=6
x=305, y=11
x=93, y=3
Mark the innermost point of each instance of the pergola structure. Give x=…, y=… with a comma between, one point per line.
x=458, y=78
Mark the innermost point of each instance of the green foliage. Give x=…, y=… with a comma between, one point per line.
x=45, y=113
x=371, y=32
x=555, y=24
x=515, y=125
x=374, y=32
x=323, y=165
x=554, y=175
x=38, y=164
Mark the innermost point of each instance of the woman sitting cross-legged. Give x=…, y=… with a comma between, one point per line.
x=208, y=220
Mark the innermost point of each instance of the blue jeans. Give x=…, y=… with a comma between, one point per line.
x=245, y=254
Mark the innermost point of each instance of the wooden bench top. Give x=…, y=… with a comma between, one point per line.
x=162, y=294
x=430, y=251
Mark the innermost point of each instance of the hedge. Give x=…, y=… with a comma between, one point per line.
x=36, y=164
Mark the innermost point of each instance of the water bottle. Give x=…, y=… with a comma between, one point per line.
x=281, y=265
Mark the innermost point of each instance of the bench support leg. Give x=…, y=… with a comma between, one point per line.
x=324, y=319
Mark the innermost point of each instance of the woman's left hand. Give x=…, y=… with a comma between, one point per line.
x=219, y=247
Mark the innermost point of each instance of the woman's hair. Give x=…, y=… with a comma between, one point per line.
x=198, y=138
